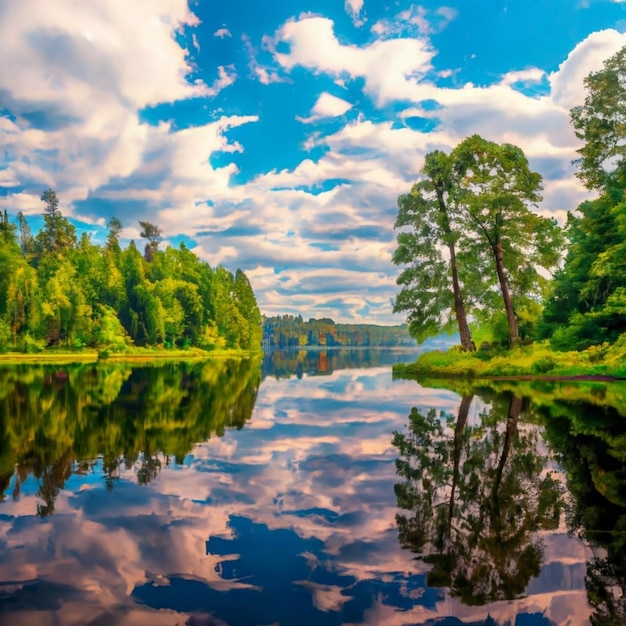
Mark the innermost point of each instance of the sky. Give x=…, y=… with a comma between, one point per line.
x=276, y=137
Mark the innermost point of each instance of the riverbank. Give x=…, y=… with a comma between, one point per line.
x=531, y=362
x=132, y=355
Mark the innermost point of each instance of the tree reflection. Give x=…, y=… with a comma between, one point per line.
x=476, y=495
x=124, y=417
x=591, y=444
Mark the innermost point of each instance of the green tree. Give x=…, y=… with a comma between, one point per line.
x=231, y=324
x=431, y=288
x=27, y=241
x=497, y=187
x=57, y=233
x=23, y=302
x=245, y=301
x=113, y=239
x=601, y=123
x=588, y=303
x=152, y=233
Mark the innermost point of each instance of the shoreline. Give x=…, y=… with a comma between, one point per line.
x=93, y=357
x=537, y=361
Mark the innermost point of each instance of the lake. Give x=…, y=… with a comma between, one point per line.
x=307, y=488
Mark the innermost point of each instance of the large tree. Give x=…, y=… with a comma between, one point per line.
x=497, y=190
x=431, y=288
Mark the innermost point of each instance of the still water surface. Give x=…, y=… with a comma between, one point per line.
x=307, y=489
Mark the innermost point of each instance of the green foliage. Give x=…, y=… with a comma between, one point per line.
x=588, y=302
x=497, y=189
x=601, y=123
x=471, y=236
x=58, y=292
x=542, y=365
x=525, y=360
x=434, y=291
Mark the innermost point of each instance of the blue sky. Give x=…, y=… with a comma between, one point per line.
x=276, y=137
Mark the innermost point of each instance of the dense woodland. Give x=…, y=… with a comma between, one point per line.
x=58, y=290
x=479, y=258
x=291, y=331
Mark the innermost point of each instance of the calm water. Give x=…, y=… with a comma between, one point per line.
x=307, y=489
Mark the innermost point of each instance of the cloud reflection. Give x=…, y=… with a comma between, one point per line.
x=290, y=523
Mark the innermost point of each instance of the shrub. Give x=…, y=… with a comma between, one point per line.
x=542, y=365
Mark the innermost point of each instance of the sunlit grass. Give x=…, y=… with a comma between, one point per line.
x=132, y=354
x=537, y=360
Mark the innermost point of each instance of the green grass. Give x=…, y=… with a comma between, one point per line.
x=535, y=360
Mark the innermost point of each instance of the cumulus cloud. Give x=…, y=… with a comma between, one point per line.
x=391, y=68
x=78, y=83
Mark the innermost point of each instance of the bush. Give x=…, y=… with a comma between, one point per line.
x=542, y=365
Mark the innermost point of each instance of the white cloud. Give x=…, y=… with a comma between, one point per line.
x=414, y=21
x=391, y=68
x=222, y=32
x=353, y=9
x=327, y=105
x=567, y=83
x=530, y=75
x=226, y=76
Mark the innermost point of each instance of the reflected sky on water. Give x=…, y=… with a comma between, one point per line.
x=289, y=518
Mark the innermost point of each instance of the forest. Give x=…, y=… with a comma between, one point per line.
x=479, y=259
x=291, y=331
x=61, y=291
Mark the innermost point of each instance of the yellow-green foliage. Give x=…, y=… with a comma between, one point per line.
x=532, y=360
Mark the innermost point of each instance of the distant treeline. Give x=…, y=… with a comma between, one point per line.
x=289, y=331
x=57, y=290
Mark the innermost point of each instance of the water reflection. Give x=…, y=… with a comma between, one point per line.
x=288, y=515
x=477, y=496
x=56, y=421
x=592, y=449
x=323, y=362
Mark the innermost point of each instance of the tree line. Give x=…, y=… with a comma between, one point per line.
x=59, y=290
x=291, y=331
x=477, y=254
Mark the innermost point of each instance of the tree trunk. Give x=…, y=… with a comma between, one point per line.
x=506, y=296
x=461, y=420
x=459, y=306
x=515, y=408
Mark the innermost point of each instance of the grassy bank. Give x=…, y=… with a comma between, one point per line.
x=535, y=360
x=132, y=355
